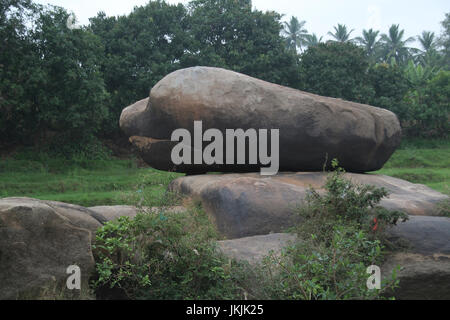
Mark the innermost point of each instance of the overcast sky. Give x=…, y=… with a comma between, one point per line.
x=321, y=15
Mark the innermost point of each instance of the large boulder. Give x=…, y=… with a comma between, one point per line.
x=363, y=139
x=39, y=240
x=248, y=204
x=134, y=119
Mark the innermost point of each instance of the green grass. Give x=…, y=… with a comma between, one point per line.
x=87, y=183
x=422, y=161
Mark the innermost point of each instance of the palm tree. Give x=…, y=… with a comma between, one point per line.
x=427, y=41
x=312, y=40
x=394, y=46
x=369, y=41
x=295, y=33
x=341, y=34
x=429, y=55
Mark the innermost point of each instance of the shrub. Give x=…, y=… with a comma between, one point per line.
x=338, y=238
x=163, y=255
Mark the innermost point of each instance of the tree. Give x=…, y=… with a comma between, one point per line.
x=312, y=40
x=51, y=87
x=341, y=34
x=336, y=69
x=429, y=107
x=140, y=49
x=19, y=69
x=295, y=34
x=418, y=75
x=429, y=56
x=390, y=86
x=369, y=42
x=395, y=46
x=71, y=96
x=445, y=41
x=428, y=41
x=229, y=34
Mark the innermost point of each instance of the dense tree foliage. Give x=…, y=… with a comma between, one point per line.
x=428, y=107
x=17, y=58
x=62, y=86
x=229, y=34
x=390, y=86
x=335, y=69
x=51, y=82
x=140, y=49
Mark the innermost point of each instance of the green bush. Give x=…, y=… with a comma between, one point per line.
x=338, y=238
x=163, y=255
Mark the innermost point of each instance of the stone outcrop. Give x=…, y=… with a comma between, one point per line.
x=39, y=240
x=312, y=128
x=245, y=205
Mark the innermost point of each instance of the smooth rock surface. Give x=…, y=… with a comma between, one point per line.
x=254, y=249
x=425, y=261
x=38, y=241
x=363, y=139
x=134, y=118
x=245, y=205
x=113, y=212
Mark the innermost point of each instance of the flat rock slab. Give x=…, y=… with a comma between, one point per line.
x=425, y=260
x=254, y=249
x=363, y=139
x=249, y=204
x=429, y=236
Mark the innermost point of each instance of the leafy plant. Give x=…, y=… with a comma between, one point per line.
x=338, y=238
x=163, y=254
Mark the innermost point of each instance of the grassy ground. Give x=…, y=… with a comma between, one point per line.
x=115, y=181
x=87, y=183
x=422, y=161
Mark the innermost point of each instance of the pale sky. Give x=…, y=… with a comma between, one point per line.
x=321, y=15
